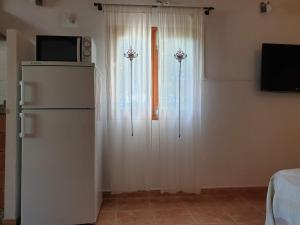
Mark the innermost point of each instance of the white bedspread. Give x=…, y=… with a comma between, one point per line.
x=283, y=202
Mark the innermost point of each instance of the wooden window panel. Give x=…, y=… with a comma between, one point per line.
x=154, y=59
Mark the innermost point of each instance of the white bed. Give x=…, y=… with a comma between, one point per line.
x=283, y=201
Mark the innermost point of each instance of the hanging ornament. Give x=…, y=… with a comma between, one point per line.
x=131, y=54
x=179, y=55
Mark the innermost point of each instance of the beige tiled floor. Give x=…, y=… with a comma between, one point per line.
x=219, y=208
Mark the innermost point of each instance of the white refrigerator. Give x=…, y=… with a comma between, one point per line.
x=57, y=131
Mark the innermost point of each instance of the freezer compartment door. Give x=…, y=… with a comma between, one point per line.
x=58, y=167
x=57, y=87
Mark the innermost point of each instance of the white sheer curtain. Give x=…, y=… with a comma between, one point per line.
x=128, y=155
x=179, y=156
x=129, y=166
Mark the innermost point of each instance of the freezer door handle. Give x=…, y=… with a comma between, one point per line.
x=28, y=125
x=21, y=83
x=28, y=93
x=22, y=133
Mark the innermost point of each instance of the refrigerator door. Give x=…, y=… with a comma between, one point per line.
x=45, y=86
x=58, y=176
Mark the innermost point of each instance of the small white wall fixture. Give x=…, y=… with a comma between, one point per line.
x=265, y=7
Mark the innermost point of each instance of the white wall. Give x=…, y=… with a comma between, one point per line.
x=3, y=68
x=247, y=134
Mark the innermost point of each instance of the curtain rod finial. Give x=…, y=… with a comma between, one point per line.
x=99, y=6
x=207, y=10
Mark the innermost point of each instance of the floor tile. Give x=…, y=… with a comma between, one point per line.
x=133, y=204
x=166, y=203
x=245, y=214
x=257, y=200
x=218, y=224
x=154, y=208
x=109, y=205
x=252, y=223
x=174, y=217
x=210, y=215
x=199, y=201
x=231, y=201
x=107, y=218
x=135, y=217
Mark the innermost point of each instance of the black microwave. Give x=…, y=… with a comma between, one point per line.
x=63, y=48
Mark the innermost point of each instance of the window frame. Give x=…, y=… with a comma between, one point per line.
x=154, y=67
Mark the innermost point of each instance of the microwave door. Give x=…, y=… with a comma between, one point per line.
x=58, y=48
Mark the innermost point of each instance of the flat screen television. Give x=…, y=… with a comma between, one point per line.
x=280, y=68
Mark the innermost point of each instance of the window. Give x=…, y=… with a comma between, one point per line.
x=155, y=35
x=153, y=92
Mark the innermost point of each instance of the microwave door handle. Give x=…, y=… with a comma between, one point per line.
x=78, y=49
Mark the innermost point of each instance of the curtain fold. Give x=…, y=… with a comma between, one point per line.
x=129, y=166
x=179, y=156
x=128, y=27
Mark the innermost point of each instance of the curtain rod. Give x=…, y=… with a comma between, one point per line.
x=205, y=9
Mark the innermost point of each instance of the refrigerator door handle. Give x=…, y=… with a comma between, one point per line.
x=21, y=83
x=22, y=133
x=28, y=125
